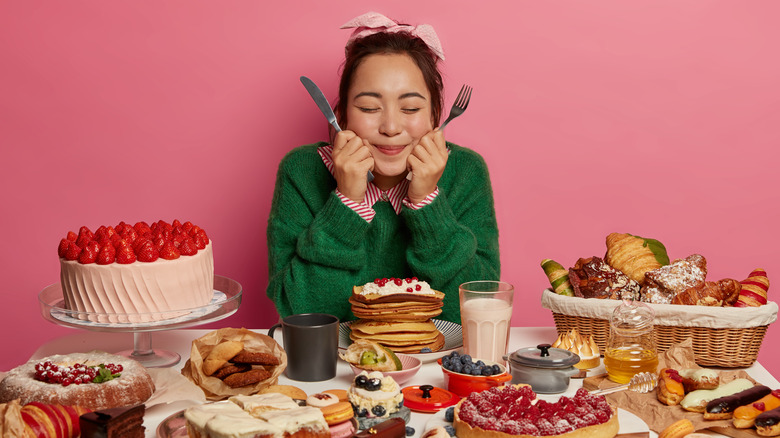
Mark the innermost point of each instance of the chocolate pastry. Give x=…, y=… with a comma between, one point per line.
x=124, y=422
x=593, y=278
x=392, y=428
x=662, y=284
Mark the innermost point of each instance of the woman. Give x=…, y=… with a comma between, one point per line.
x=330, y=228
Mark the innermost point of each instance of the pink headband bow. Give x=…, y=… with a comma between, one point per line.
x=374, y=22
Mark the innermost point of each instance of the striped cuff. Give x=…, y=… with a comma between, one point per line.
x=428, y=199
x=363, y=210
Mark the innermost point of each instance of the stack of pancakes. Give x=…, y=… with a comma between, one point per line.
x=400, y=321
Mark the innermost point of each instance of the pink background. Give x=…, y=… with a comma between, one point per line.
x=658, y=118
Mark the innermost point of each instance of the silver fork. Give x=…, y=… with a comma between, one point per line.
x=460, y=105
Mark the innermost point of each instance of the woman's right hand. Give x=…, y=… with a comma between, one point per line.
x=352, y=160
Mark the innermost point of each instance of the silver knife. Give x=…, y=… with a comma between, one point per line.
x=324, y=106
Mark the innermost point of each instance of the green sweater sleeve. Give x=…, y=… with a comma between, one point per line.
x=455, y=238
x=313, y=239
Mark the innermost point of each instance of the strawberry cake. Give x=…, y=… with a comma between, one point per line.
x=513, y=410
x=136, y=273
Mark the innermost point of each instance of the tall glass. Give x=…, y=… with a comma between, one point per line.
x=486, y=313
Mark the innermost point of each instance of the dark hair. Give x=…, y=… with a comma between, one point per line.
x=392, y=43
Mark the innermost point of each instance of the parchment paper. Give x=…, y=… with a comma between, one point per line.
x=658, y=415
x=214, y=388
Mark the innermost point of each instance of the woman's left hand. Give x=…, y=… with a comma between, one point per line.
x=426, y=163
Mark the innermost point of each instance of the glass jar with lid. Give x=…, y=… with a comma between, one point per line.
x=631, y=347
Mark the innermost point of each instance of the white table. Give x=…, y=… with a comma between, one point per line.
x=180, y=341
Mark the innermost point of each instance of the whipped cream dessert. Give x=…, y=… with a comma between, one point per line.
x=389, y=286
x=375, y=395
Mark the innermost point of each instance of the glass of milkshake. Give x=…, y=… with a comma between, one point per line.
x=486, y=313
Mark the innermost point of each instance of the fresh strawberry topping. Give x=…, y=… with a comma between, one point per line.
x=169, y=251
x=124, y=253
x=63, y=248
x=147, y=252
x=107, y=255
x=126, y=244
x=89, y=252
x=73, y=252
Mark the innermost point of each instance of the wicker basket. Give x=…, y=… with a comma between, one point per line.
x=722, y=337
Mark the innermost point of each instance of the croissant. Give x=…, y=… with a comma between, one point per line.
x=662, y=284
x=558, y=276
x=710, y=293
x=754, y=290
x=634, y=255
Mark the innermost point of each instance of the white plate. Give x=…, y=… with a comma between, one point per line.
x=629, y=423
x=453, y=339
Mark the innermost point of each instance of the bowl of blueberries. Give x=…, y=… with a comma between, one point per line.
x=464, y=375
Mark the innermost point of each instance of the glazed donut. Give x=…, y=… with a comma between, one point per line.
x=768, y=423
x=723, y=408
x=670, y=389
x=678, y=429
x=745, y=416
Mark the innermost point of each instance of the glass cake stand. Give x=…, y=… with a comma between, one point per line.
x=225, y=302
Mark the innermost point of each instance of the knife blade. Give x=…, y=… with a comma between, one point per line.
x=321, y=101
x=324, y=106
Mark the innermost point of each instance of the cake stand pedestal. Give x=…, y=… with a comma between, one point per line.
x=225, y=302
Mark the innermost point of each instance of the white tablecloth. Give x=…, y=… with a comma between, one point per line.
x=180, y=341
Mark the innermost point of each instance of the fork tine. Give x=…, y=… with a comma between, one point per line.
x=467, y=98
x=461, y=95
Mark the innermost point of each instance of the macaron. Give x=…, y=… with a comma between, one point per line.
x=340, y=393
x=344, y=429
x=678, y=429
x=322, y=399
x=337, y=413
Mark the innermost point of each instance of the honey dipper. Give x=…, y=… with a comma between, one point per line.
x=641, y=383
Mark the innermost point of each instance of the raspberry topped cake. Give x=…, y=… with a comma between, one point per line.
x=512, y=410
x=136, y=273
x=93, y=380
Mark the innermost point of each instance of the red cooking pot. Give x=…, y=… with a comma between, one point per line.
x=465, y=384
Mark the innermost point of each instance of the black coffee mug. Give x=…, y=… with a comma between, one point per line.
x=311, y=341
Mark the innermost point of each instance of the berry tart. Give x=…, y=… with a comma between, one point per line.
x=513, y=410
x=91, y=380
x=138, y=272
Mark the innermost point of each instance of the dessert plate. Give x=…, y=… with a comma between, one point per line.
x=453, y=339
x=629, y=423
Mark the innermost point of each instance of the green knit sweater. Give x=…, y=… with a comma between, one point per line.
x=318, y=248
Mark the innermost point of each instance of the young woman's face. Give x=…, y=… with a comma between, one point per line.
x=389, y=106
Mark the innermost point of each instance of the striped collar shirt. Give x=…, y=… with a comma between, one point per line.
x=396, y=195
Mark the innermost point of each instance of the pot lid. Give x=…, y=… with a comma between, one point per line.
x=544, y=356
x=428, y=398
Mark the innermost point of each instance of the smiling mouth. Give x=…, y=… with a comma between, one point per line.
x=390, y=150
